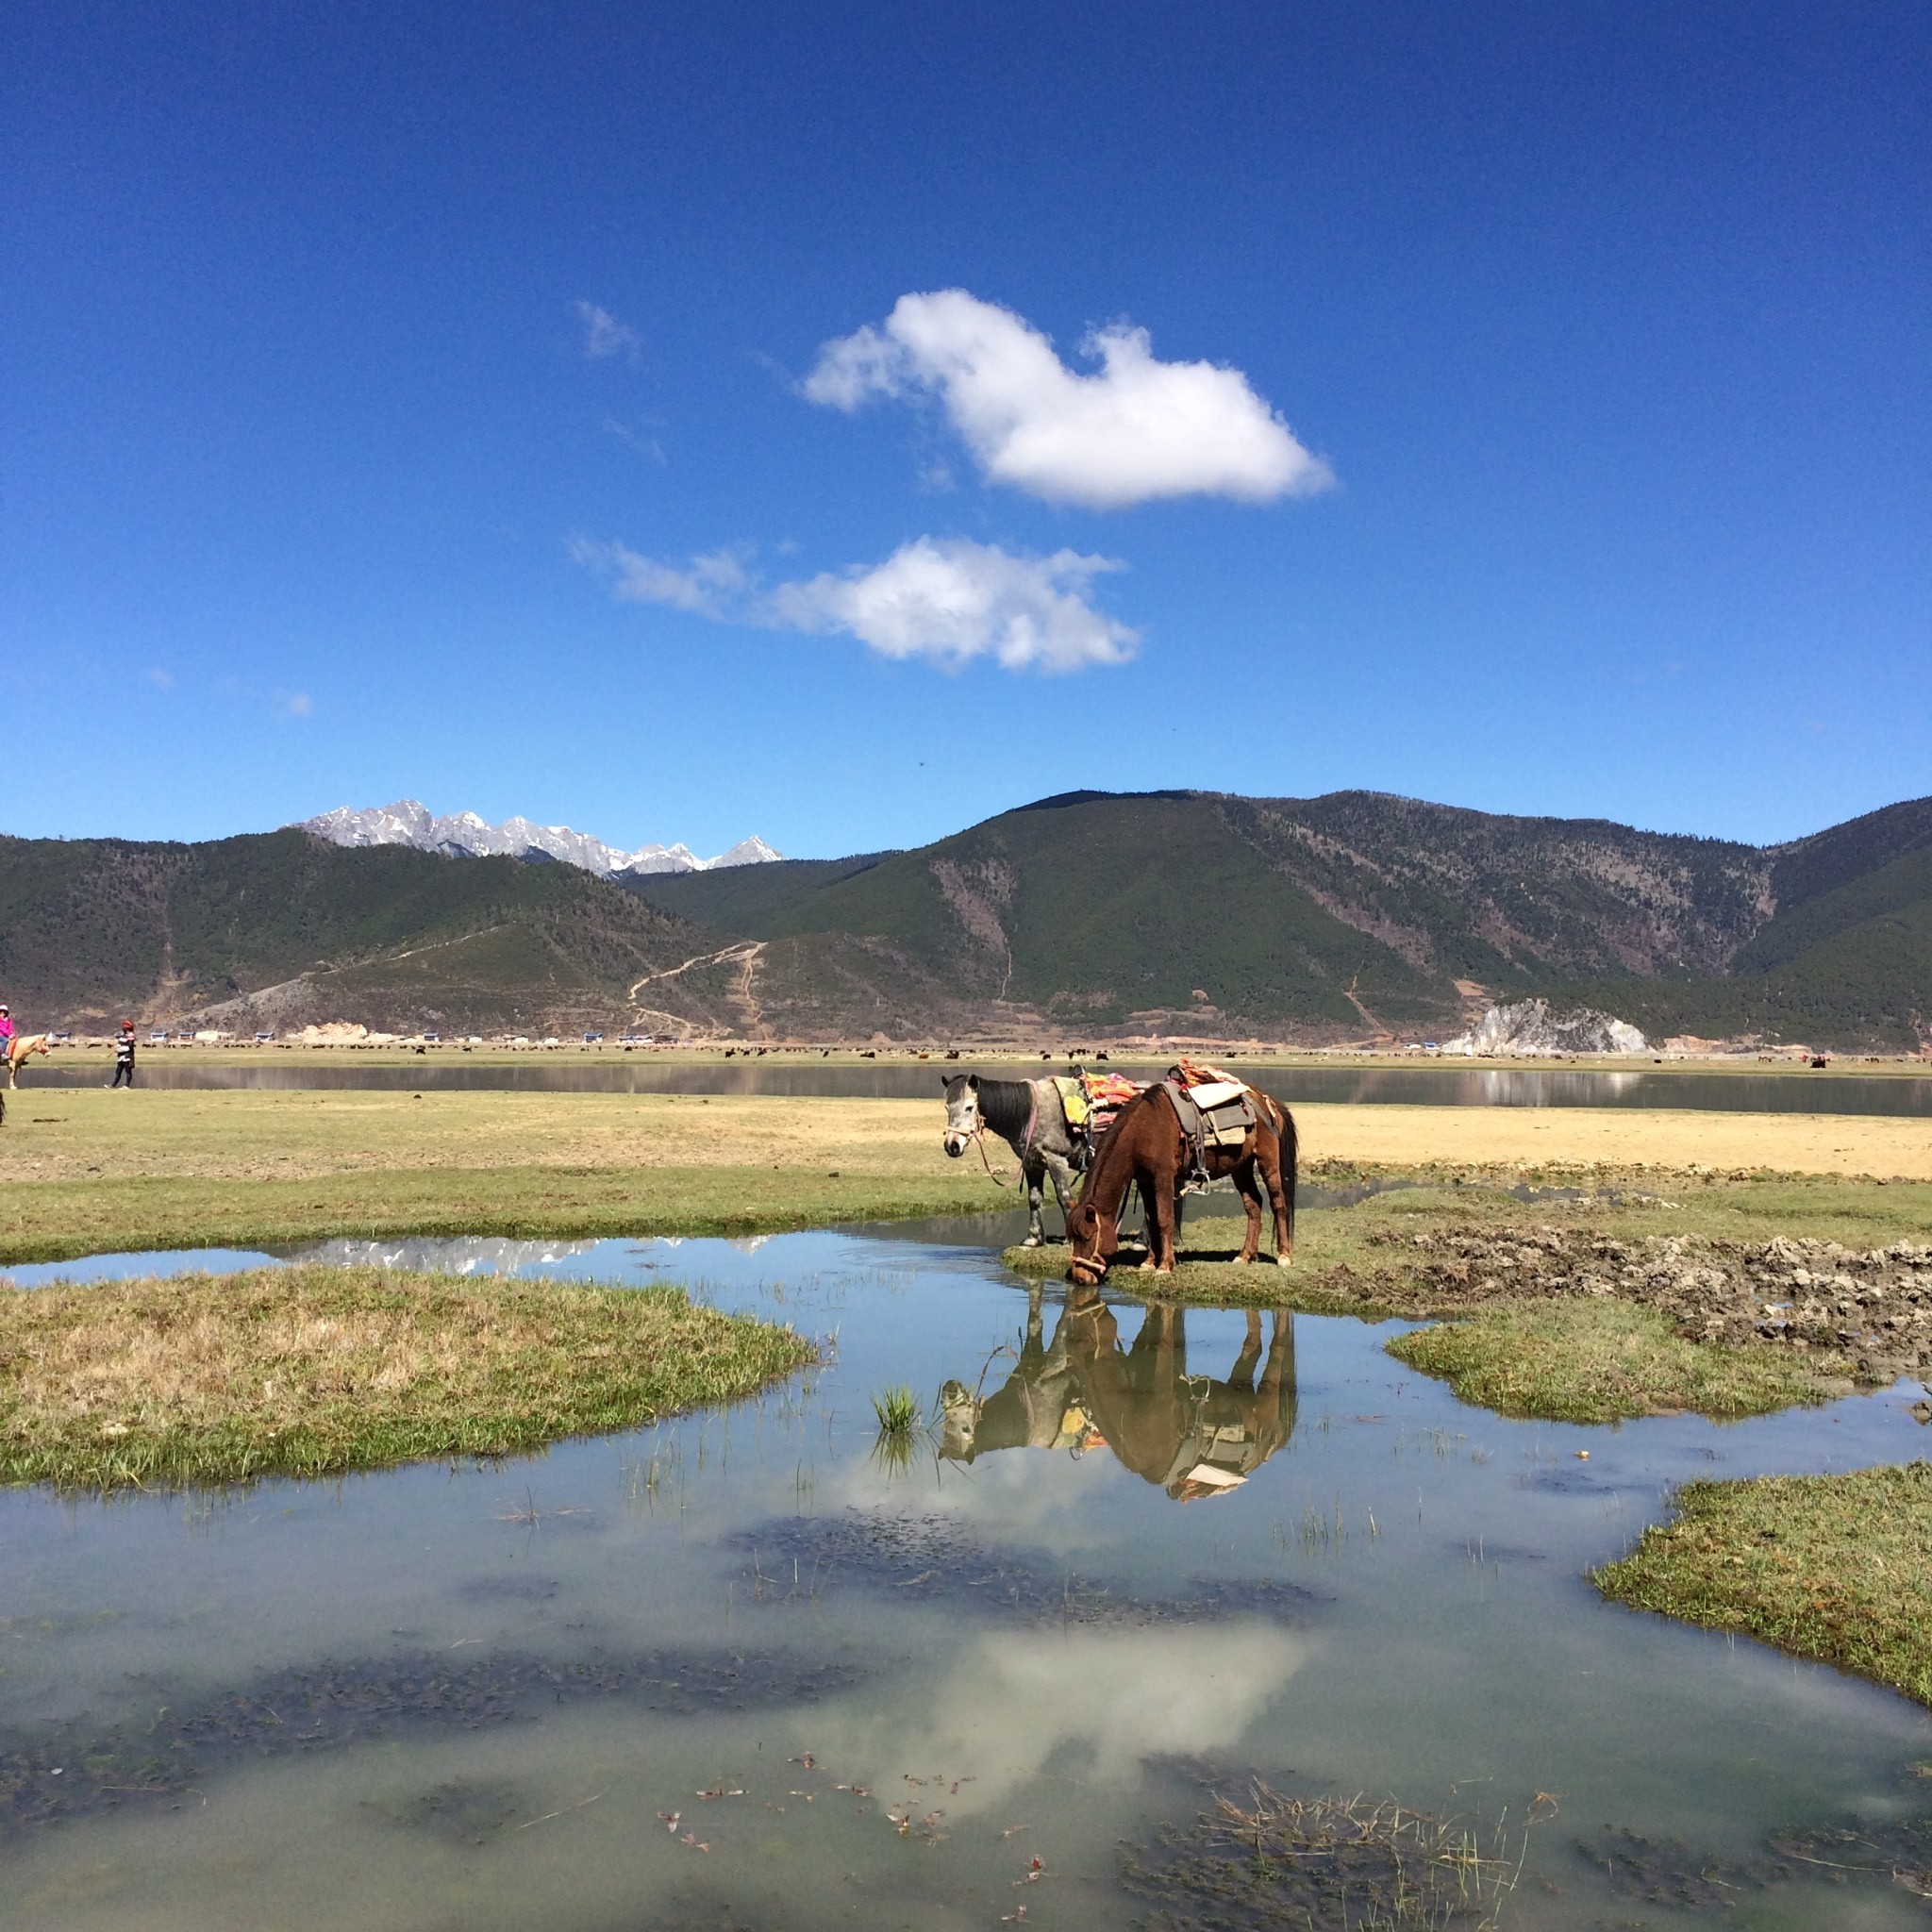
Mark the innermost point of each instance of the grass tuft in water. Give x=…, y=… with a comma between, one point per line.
x=897, y=1409
x=312, y=1370
x=901, y=1424
x=1604, y=1361
x=1336, y=1864
x=1833, y=1567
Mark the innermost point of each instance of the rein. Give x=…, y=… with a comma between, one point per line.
x=979, y=1141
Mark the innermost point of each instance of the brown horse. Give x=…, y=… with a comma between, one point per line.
x=1149, y=1145
x=19, y=1052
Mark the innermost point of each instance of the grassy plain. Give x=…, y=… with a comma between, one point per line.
x=1833, y=1567
x=83, y=1169
x=313, y=1370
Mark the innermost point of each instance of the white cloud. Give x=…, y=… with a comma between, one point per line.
x=1005, y=1709
x=944, y=599
x=951, y=600
x=715, y=585
x=299, y=706
x=1136, y=430
x=644, y=445
x=604, y=335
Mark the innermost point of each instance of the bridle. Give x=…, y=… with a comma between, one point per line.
x=977, y=1133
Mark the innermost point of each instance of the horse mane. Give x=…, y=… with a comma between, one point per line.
x=1099, y=1186
x=1006, y=1106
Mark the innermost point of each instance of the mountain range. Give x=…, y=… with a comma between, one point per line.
x=1086, y=917
x=465, y=835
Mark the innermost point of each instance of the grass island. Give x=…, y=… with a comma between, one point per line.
x=315, y=1371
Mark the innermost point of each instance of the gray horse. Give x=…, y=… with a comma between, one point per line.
x=1028, y=1117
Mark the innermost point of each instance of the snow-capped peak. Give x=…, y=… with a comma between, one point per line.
x=465, y=835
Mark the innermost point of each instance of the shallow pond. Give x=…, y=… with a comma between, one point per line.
x=743, y=1669
x=1429, y=1086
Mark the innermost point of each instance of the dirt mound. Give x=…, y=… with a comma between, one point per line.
x=1874, y=1307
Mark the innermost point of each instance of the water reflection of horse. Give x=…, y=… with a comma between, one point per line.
x=1193, y=1436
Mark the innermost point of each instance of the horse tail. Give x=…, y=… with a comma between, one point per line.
x=1291, y=1161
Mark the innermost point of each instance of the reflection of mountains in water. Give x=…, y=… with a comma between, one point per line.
x=1195, y=1436
x=464, y=1254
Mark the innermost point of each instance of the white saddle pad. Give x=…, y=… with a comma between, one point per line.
x=1215, y=1093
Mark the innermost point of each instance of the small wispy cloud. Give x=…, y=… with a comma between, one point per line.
x=1135, y=430
x=946, y=600
x=637, y=440
x=604, y=335
x=297, y=704
x=161, y=680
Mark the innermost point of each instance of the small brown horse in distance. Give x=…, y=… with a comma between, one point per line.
x=1149, y=1145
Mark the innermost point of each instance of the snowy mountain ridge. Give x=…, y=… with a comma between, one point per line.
x=467, y=835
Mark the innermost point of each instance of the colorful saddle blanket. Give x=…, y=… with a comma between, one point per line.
x=1090, y=1102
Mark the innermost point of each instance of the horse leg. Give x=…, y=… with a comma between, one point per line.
x=1242, y=1376
x=1062, y=1174
x=1284, y=1224
x=1035, y=1172
x=1250, y=1192
x=1164, y=1248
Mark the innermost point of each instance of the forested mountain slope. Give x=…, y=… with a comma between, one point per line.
x=1088, y=914
x=280, y=927
x=1359, y=910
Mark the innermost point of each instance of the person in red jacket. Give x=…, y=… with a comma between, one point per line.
x=124, y=1056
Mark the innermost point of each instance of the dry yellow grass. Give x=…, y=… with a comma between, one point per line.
x=62, y=1135
x=1884, y=1147
x=55, y=1136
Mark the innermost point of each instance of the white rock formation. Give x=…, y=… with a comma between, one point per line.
x=1529, y=1030
x=465, y=835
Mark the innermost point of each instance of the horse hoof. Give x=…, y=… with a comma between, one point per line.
x=1243, y=1260
x=1032, y=1241
x=1284, y=1260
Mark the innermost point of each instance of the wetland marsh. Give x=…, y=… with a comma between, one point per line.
x=1004, y=1610
x=742, y=1670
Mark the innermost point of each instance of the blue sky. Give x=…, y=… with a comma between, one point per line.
x=1532, y=413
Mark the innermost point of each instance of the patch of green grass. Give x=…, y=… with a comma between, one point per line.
x=316, y=1371
x=56, y=1221
x=897, y=1411
x=1838, y=1568
x=1587, y=1360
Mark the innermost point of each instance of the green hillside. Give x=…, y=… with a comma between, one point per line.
x=742, y=898
x=1094, y=910
x=280, y=928
x=1192, y=913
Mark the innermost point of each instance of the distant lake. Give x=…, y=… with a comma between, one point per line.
x=1432, y=1086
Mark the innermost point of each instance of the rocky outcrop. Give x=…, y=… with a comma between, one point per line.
x=1530, y=1030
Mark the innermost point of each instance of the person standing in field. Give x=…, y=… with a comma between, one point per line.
x=124, y=1056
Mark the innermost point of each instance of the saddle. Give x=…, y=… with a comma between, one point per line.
x=1213, y=1112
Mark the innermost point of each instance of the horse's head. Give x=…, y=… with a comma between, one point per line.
x=962, y=1112
x=958, y=1422
x=1092, y=1236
